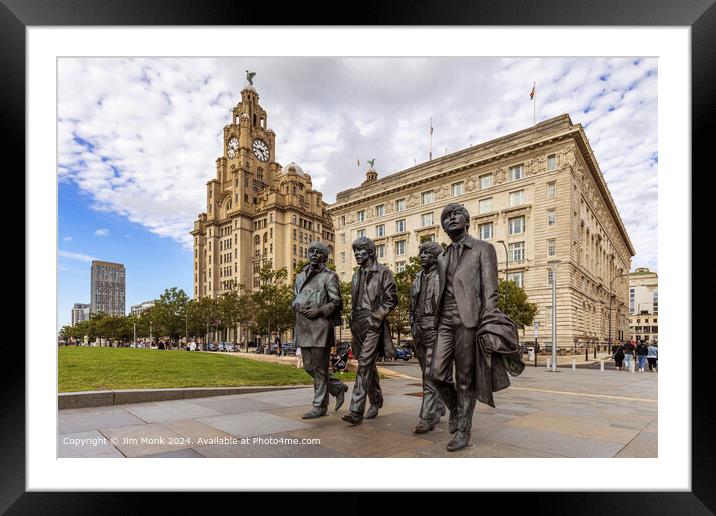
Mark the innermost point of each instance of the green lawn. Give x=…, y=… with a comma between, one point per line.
x=93, y=369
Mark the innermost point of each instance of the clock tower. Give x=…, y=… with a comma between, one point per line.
x=257, y=210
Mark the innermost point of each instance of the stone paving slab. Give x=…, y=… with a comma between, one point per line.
x=582, y=413
x=81, y=420
x=162, y=411
x=250, y=424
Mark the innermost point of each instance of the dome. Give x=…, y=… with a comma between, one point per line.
x=270, y=131
x=292, y=168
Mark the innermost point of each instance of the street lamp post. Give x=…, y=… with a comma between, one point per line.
x=611, y=296
x=507, y=257
x=150, y=334
x=553, y=265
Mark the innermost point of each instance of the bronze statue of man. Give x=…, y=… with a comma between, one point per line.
x=317, y=303
x=373, y=295
x=424, y=298
x=472, y=333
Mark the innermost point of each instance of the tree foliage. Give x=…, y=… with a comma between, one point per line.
x=399, y=317
x=513, y=302
x=273, y=311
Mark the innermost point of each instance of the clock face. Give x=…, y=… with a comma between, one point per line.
x=233, y=147
x=260, y=149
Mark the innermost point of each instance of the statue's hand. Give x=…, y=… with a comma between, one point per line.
x=311, y=312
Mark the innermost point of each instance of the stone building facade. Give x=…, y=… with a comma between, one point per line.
x=257, y=210
x=537, y=195
x=644, y=305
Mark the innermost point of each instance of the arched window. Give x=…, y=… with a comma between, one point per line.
x=257, y=240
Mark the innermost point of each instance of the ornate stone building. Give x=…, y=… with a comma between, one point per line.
x=537, y=195
x=643, y=305
x=257, y=210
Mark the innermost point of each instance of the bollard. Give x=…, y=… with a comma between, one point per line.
x=586, y=354
x=549, y=359
x=601, y=367
x=574, y=364
x=632, y=366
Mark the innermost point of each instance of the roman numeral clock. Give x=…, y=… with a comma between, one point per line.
x=260, y=149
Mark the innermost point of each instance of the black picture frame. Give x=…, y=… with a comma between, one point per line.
x=16, y=15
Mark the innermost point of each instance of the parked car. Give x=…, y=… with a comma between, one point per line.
x=212, y=347
x=403, y=353
x=408, y=343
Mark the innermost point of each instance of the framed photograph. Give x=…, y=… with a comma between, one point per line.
x=126, y=112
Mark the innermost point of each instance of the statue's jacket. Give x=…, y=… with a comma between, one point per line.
x=320, y=289
x=497, y=346
x=383, y=295
x=432, y=297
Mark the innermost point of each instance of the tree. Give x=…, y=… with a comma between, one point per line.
x=169, y=313
x=513, y=302
x=273, y=300
x=399, y=318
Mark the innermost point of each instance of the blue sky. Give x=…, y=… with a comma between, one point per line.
x=138, y=138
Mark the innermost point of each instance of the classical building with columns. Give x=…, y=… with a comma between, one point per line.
x=644, y=305
x=537, y=195
x=257, y=210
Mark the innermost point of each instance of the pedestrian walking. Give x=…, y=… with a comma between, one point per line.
x=652, y=356
x=628, y=349
x=619, y=357
x=642, y=350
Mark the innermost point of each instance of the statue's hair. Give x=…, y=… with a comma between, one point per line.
x=431, y=247
x=364, y=243
x=453, y=206
x=321, y=247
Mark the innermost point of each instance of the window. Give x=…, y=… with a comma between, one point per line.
x=485, y=231
x=380, y=230
x=551, y=217
x=343, y=237
x=485, y=205
x=400, y=205
x=517, y=278
x=551, y=190
x=399, y=266
x=516, y=225
x=427, y=219
x=400, y=226
x=515, y=172
x=485, y=181
x=516, y=198
x=551, y=162
x=551, y=247
x=427, y=238
x=426, y=197
x=360, y=233
x=380, y=210
x=517, y=251
x=400, y=247
x=655, y=302
x=361, y=216
x=457, y=189
x=380, y=251
x=343, y=257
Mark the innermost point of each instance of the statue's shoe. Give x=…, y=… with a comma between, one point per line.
x=460, y=441
x=314, y=414
x=352, y=418
x=425, y=426
x=341, y=397
x=372, y=412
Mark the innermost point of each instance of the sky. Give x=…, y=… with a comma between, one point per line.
x=138, y=139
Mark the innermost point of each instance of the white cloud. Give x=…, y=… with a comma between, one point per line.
x=141, y=136
x=102, y=232
x=74, y=256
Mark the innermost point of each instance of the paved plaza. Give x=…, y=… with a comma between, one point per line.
x=567, y=413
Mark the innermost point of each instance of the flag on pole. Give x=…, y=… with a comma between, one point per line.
x=532, y=93
x=431, y=126
x=357, y=160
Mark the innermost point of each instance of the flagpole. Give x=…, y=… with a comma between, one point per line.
x=534, y=106
x=431, y=138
